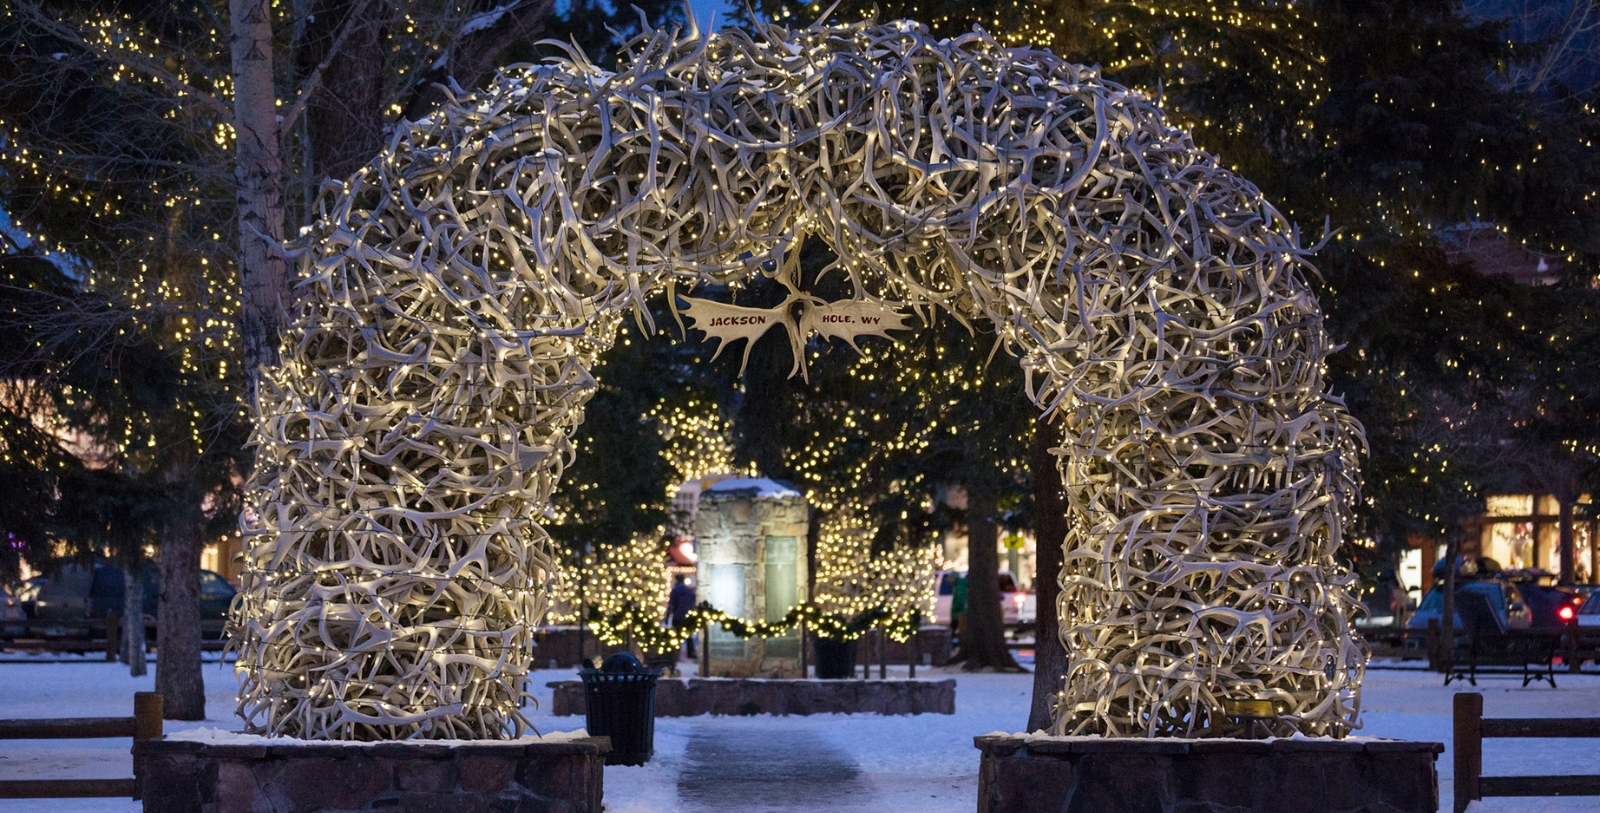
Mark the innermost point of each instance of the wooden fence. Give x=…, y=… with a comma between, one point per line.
x=1471, y=729
x=145, y=724
x=39, y=635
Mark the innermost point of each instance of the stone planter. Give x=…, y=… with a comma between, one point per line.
x=1098, y=775
x=745, y=696
x=236, y=774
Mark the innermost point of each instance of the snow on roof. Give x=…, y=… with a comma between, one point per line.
x=762, y=486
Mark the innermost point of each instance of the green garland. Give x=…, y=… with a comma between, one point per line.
x=643, y=627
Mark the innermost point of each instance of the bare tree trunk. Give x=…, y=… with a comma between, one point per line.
x=344, y=118
x=258, y=171
x=133, y=642
x=1050, y=532
x=1568, y=541
x=813, y=539
x=1447, y=612
x=983, y=639
x=763, y=406
x=178, y=669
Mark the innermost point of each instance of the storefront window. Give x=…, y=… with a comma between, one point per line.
x=1510, y=505
x=1583, y=552
x=1550, y=546
x=1511, y=544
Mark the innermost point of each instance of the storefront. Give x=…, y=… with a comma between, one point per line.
x=1520, y=532
x=1523, y=532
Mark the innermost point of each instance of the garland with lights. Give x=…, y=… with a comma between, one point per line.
x=457, y=291
x=642, y=625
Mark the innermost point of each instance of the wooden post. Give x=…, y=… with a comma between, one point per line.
x=1573, y=659
x=113, y=635
x=916, y=651
x=1447, y=613
x=1435, y=662
x=1468, y=747
x=147, y=713
x=147, y=708
x=883, y=654
x=803, y=674
x=705, y=649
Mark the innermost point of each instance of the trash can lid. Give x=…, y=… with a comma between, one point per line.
x=622, y=662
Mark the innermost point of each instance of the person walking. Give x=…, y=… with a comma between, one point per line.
x=679, y=602
x=958, y=611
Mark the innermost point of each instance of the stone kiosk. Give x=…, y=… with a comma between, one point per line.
x=752, y=535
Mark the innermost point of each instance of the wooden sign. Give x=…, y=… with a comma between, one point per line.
x=801, y=315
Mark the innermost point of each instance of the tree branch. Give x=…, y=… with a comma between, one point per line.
x=133, y=60
x=309, y=87
x=479, y=41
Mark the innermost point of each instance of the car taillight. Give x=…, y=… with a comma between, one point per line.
x=1566, y=613
x=1020, y=598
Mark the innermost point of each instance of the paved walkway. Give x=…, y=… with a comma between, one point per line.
x=768, y=769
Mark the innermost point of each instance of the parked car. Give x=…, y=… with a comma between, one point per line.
x=1589, y=616
x=944, y=593
x=1550, y=607
x=1504, y=597
x=10, y=610
x=77, y=591
x=1383, y=608
x=1016, y=605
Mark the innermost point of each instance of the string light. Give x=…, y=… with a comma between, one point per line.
x=461, y=287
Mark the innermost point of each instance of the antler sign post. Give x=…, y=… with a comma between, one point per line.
x=456, y=292
x=800, y=315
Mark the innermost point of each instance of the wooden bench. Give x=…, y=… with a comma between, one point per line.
x=1471, y=729
x=145, y=724
x=1530, y=654
x=1491, y=647
x=41, y=635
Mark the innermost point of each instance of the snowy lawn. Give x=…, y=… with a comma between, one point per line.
x=923, y=764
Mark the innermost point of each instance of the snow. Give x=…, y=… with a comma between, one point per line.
x=484, y=20
x=762, y=486
x=921, y=764
x=222, y=736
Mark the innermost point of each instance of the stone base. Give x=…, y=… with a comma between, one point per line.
x=697, y=696
x=1073, y=774
x=517, y=776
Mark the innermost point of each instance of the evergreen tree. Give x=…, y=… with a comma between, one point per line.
x=146, y=153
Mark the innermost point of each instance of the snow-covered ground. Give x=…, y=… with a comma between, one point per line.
x=923, y=764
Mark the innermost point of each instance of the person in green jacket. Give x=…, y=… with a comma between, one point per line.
x=958, y=608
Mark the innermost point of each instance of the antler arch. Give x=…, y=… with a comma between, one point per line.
x=457, y=291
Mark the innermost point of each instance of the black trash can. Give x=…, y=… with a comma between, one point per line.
x=836, y=660
x=620, y=702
